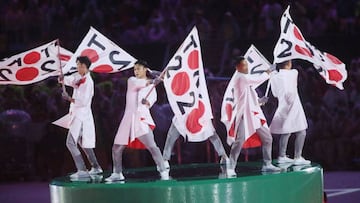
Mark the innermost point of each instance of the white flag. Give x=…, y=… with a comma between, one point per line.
x=105, y=55
x=187, y=92
x=292, y=45
x=33, y=65
x=257, y=64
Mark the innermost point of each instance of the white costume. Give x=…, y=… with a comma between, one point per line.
x=80, y=111
x=289, y=116
x=136, y=123
x=137, y=117
x=248, y=107
x=250, y=119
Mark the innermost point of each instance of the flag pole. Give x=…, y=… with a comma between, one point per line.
x=153, y=87
x=60, y=67
x=267, y=88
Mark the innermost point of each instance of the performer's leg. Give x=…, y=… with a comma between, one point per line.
x=266, y=139
x=284, y=138
x=237, y=145
x=149, y=142
x=172, y=135
x=75, y=153
x=91, y=157
x=218, y=146
x=117, y=152
x=299, y=143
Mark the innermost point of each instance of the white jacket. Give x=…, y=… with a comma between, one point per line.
x=137, y=120
x=80, y=112
x=247, y=105
x=289, y=116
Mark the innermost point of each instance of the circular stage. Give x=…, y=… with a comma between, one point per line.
x=197, y=183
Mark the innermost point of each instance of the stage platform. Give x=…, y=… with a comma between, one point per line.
x=197, y=183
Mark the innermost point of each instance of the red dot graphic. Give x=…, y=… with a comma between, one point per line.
x=303, y=51
x=91, y=54
x=103, y=69
x=180, y=83
x=193, y=59
x=27, y=74
x=228, y=108
x=32, y=57
x=335, y=75
x=333, y=59
x=192, y=121
x=298, y=34
x=64, y=57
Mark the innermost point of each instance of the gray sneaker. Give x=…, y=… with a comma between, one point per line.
x=270, y=168
x=95, y=171
x=115, y=177
x=80, y=174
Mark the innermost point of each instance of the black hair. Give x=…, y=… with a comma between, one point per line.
x=238, y=60
x=84, y=60
x=143, y=63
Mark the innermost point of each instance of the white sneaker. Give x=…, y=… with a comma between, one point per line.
x=95, y=171
x=166, y=165
x=115, y=177
x=301, y=161
x=230, y=173
x=164, y=175
x=284, y=160
x=270, y=168
x=80, y=174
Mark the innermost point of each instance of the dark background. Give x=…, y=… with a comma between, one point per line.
x=31, y=148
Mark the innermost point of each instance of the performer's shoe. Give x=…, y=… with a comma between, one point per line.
x=284, y=160
x=95, y=171
x=115, y=177
x=80, y=174
x=166, y=165
x=230, y=173
x=165, y=175
x=301, y=161
x=270, y=168
x=224, y=163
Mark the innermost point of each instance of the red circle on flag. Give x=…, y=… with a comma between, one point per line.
x=104, y=68
x=303, y=51
x=228, y=108
x=64, y=57
x=27, y=74
x=333, y=59
x=180, y=83
x=32, y=57
x=193, y=59
x=298, y=34
x=335, y=75
x=192, y=121
x=91, y=54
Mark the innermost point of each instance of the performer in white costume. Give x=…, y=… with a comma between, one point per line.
x=82, y=128
x=249, y=116
x=289, y=116
x=137, y=122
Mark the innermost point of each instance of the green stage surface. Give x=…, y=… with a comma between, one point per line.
x=197, y=183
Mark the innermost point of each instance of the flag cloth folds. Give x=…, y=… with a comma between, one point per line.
x=105, y=55
x=292, y=45
x=187, y=92
x=33, y=65
x=232, y=106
